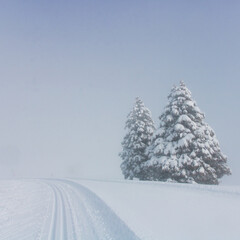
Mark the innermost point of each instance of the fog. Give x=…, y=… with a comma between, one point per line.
x=70, y=72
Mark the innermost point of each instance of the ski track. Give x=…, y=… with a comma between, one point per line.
x=77, y=213
x=56, y=209
x=58, y=229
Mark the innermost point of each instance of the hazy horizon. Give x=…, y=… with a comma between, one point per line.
x=71, y=70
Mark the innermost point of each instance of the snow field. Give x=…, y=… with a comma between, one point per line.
x=117, y=210
x=24, y=208
x=171, y=211
x=57, y=210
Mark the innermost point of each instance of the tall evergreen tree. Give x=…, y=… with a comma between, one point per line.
x=140, y=128
x=184, y=148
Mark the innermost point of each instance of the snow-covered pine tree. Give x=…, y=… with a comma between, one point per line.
x=184, y=148
x=140, y=128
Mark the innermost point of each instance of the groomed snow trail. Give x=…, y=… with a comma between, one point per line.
x=77, y=213
x=56, y=209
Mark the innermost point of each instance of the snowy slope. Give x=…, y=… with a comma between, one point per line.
x=171, y=211
x=70, y=209
x=24, y=207
x=57, y=210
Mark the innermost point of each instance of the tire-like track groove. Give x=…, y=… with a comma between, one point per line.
x=53, y=223
x=72, y=224
x=58, y=225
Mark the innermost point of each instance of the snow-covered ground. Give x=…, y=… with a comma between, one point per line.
x=24, y=205
x=90, y=209
x=56, y=210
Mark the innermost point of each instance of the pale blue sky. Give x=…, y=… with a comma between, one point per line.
x=70, y=71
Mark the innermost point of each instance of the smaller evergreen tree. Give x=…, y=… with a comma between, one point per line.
x=184, y=148
x=140, y=128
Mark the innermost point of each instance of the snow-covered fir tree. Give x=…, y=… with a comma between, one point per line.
x=140, y=127
x=184, y=148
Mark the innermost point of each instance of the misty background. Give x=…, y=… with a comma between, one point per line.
x=70, y=72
